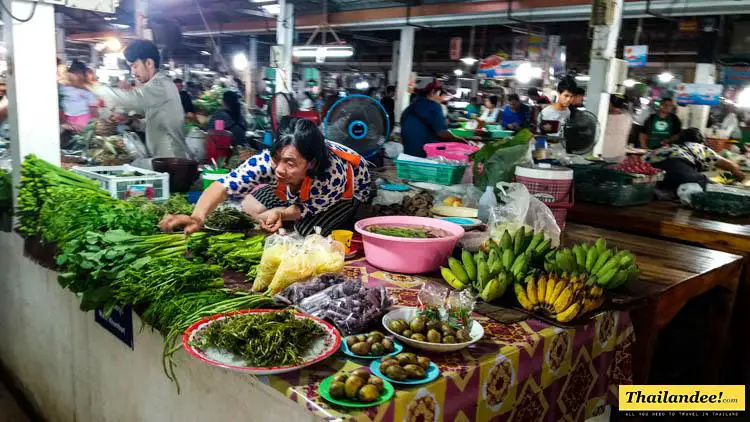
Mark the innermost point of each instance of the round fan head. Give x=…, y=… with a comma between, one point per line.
x=580, y=132
x=282, y=104
x=358, y=122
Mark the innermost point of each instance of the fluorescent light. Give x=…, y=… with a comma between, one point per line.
x=273, y=9
x=362, y=85
x=665, y=77
x=629, y=83
x=205, y=53
x=110, y=18
x=113, y=44
x=262, y=1
x=563, y=57
x=645, y=101
x=314, y=51
x=239, y=61
x=469, y=60
x=458, y=72
x=536, y=72
x=743, y=99
x=583, y=78
x=524, y=73
x=120, y=25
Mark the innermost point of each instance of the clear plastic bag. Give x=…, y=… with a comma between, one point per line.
x=297, y=292
x=460, y=305
x=432, y=297
x=465, y=195
x=518, y=209
x=276, y=248
x=134, y=146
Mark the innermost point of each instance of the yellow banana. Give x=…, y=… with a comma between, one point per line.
x=559, y=286
x=521, y=296
x=569, y=313
x=550, y=289
x=564, y=300
x=451, y=278
x=531, y=292
x=541, y=288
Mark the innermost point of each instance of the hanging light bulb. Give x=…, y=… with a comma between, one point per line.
x=665, y=77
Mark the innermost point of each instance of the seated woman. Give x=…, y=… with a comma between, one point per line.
x=310, y=181
x=684, y=161
x=231, y=114
x=491, y=111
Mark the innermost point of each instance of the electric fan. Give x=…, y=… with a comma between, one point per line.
x=358, y=122
x=579, y=134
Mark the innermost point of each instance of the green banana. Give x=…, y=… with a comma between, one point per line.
x=618, y=279
x=543, y=247
x=483, y=275
x=496, y=267
x=451, y=278
x=603, y=258
x=469, y=265
x=580, y=257
x=605, y=278
x=518, y=239
x=591, y=258
x=507, y=259
x=527, y=238
x=610, y=265
x=458, y=270
x=493, y=257
x=535, y=241
x=480, y=256
x=520, y=259
x=626, y=260
x=600, y=245
x=506, y=242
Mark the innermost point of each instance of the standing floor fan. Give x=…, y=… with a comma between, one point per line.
x=360, y=123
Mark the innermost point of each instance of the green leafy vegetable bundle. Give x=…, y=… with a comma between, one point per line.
x=264, y=339
x=69, y=213
x=95, y=261
x=229, y=219
x=37, y=177
x=234, y=251
x=6, y=191
x=175, y=204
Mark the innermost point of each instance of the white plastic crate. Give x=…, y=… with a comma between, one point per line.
x=118, y=179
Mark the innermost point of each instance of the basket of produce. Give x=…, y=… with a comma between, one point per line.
x=431, y=333
x=408, y=245
x=251, y=341
x=632, y=182
x=122, y=181
x=357, y=389
x=723, y=203
x=440, y=173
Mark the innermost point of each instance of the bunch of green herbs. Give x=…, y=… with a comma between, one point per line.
x=229, y=219
x=234, y=251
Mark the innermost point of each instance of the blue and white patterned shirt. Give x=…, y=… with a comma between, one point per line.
x=324, y=192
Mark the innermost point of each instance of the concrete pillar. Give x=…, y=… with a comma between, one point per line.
x=705, y=73
x=285, y=39
x=60, y=36
x=603, y=49
x=32, y=83
x=405, y=56
x=252, y=71
x=393, y=73
x=142, y=31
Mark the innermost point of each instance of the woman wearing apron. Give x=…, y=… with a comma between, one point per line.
x=301, y=179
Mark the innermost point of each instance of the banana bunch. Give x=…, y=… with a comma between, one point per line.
x=492, y=270
x=609, y=268
x=563, y=298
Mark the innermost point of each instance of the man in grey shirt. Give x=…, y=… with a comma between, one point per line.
x=157, y=97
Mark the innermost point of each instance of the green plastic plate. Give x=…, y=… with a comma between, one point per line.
x=386, y=395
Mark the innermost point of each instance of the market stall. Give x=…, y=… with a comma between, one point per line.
x=673, y=221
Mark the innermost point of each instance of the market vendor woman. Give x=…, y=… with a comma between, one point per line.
x=307, y=179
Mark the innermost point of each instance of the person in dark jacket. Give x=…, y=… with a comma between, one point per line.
x=389, y=104
x=231, y=114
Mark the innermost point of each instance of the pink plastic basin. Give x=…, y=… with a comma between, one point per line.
x=404, y=255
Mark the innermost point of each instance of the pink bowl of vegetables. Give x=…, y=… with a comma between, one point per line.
x=408, y=245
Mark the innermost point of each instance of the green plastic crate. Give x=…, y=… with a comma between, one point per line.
x=601, y=185
x=462, y=133
x=442, y=174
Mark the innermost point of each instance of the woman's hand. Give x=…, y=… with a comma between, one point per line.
x=189, y=223
x=272, y=220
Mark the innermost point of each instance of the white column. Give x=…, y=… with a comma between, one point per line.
x=60, y=36
x=603, y=48
x=285, y=38
x=252, y=71
x=405, y=57
x=705, y=73
x=142, y=30
x=393, y=73
x=32, y=83
x=93, y=56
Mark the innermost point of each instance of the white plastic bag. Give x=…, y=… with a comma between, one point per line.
x=686, y=190
x=517, y=208
x=196, y=143
x=393, y=149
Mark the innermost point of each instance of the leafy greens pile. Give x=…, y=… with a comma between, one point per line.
x=229, y=219
x=264, y=339
x=234, y=251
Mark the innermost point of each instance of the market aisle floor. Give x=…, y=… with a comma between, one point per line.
x=9, y=410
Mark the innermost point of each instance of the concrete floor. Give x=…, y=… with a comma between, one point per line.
x=9, y=410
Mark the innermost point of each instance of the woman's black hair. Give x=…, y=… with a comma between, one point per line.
x=513, y=97
x=567, y=83
x=77, y=67
x=493, y=100
x=233, y=106
x=143, y=50
x=305, y=136
x=690, y=135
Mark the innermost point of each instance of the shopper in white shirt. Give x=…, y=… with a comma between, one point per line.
x=552, y=119
x=491, y=111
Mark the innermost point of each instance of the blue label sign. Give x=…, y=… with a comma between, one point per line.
x=636, y=55
x=698, y=94
x=119, y=323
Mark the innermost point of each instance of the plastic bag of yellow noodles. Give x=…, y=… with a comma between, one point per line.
x=276, y=248
x=315, y=255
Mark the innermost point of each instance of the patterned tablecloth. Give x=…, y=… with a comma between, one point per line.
x=527, y=371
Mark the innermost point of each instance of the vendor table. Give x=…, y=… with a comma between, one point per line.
x=671, y=275
x=525, y=371
x=671, y=221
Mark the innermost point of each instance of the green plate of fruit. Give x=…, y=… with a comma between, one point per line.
x=356, y=389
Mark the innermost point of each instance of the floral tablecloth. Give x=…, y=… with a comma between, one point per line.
x=527, y=371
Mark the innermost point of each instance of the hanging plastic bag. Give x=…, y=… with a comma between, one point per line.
x=518, y=208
